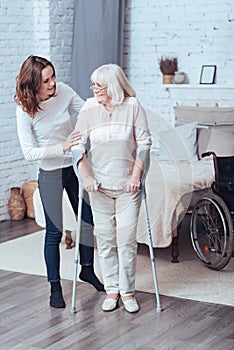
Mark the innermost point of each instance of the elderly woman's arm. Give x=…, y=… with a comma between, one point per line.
x=143, y=140
x=134, y=183
x=89, y=182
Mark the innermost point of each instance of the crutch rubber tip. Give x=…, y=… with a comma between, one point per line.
x=73, y=311
x=159, y=309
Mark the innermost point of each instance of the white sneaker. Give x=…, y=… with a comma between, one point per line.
x=109, y=304
x=131, y=305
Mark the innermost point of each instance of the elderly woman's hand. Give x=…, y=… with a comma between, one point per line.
x=132, y=185
x=90, y=184
x=72, y=140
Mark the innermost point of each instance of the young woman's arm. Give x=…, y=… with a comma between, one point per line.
x=27, y=142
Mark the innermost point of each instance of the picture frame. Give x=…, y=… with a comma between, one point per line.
x=208, y=74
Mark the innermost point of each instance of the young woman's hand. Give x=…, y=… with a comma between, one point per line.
x=90, y=184
x=72, y=140
x=132, y=185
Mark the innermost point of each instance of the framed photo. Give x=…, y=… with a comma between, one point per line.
x=208, y=75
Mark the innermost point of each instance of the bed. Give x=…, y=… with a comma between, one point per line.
x=177, y=175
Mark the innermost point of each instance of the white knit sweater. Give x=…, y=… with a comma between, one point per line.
x=42, y=137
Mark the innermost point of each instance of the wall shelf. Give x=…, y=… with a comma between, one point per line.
x=197, y=86
x=202, y=92
x=204, y=95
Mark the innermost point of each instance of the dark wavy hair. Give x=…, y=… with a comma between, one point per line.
x=28, y=84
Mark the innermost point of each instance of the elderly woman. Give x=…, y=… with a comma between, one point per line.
x=115, y=125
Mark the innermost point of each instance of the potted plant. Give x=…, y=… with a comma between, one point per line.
x=168, y=67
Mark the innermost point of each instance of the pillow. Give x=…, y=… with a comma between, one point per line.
x=220, y=142
x=178, y=143
x=156, y=124
x=155, y=145
x=204, y=115
x=203, y=136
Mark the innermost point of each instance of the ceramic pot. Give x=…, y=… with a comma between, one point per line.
x=167, y=79
x=28, y=189
x=179, y=78
x=16, y=204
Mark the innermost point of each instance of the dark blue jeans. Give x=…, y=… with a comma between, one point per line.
x=51, y=185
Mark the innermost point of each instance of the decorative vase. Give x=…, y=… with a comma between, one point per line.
x=28, y=189
x=179, y=78
x=167, y=79
x=16, y=204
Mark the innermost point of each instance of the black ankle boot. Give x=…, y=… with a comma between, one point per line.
x=87, y=275
x=56, y=297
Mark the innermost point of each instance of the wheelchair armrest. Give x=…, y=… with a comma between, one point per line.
x=218, y=185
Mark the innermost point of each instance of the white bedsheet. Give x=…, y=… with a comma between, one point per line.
x=166, y=183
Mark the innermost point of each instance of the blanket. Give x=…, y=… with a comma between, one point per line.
x=166, y=184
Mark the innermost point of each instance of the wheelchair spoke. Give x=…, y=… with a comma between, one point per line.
x=211, y=231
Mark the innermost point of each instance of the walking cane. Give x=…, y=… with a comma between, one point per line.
x=78, y=230
x=150, y=242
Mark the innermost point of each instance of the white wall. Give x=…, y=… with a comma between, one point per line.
x=198, y=33
x=39, y=27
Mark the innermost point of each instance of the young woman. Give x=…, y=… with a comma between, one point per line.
x=45, y=132
x=115, y=125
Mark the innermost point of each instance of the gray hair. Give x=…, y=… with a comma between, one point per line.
x=118, y=85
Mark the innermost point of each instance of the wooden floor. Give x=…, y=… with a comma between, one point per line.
x=28, y=323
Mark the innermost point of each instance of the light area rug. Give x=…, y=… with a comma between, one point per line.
x=188, y=279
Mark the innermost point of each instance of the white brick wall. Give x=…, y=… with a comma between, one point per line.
x=39, y=27
x=16, y=42
x=198, y=33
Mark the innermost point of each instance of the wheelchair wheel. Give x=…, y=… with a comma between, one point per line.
x=211, y=231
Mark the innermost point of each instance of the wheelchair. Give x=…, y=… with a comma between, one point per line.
x=212, y=219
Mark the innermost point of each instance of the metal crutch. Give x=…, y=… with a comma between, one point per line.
x=143, y=193
x=78, y=230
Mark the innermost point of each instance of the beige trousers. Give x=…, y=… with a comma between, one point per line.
x=115, y=215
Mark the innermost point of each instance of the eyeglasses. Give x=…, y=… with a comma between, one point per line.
x=98, y=87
